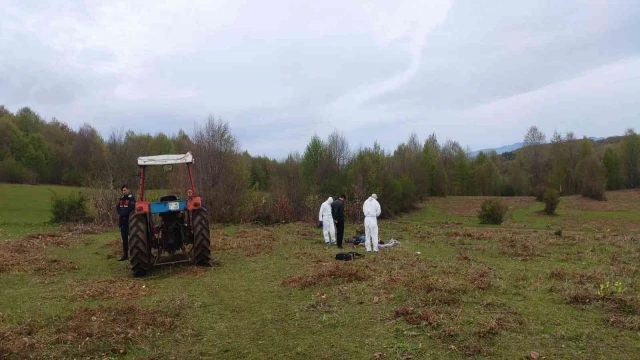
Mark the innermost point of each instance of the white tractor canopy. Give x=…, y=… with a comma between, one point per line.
x=169, y=159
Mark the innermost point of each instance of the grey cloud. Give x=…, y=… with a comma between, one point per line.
x=464, y=66
x=486, y=73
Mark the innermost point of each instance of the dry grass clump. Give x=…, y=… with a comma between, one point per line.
x=577, y=288
x=480, y=277
x=583, y=288
x=520, y=247
x=89, y=333
x=623, y=322
x=423, y=317
x=28, y=255
x=332, y=273
x=471, y=332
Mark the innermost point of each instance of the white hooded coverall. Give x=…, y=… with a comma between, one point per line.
x=371, y=209
x=328, y=229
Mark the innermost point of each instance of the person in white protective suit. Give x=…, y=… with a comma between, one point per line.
x=328, y=228
x=371, y=209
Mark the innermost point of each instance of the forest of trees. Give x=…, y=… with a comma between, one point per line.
x=241, y=187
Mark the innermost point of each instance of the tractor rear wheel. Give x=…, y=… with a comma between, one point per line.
x=139, y=250
x=201, y=238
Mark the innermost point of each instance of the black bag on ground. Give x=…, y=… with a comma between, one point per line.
x=347, y=256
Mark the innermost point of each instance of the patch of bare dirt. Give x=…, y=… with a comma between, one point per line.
x=112, y=288
x=28, y=255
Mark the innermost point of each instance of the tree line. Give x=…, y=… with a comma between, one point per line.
x=241, y=187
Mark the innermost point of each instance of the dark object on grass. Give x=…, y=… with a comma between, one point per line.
x=558, y=233
x=320, y=224
x=348, y=256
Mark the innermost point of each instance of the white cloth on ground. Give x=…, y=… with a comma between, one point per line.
x=391, y=243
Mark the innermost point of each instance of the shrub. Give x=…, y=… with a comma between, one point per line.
x=72, y=208
x=551, y=200
x=283, y=210
x=492, y=212
x=104, y=205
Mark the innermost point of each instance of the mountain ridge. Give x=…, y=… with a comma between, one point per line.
x=513, y=147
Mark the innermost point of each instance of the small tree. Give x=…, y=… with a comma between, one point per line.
x=492, y=212
x=551, y=200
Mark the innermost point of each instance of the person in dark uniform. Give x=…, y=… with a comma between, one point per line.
x=126, y=206
x=337, y=212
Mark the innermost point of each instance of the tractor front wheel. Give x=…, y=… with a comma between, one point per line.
x=201, y=238
x=139, y=250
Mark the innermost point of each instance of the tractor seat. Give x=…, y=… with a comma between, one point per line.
x=168, y=198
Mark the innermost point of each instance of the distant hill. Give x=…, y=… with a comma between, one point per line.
x=516, y=146
x=500, y=150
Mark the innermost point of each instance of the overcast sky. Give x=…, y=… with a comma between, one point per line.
x=479, y=72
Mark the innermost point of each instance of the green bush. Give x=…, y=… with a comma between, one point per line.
x=72, y=208
x=551, y=200
x=492, y=212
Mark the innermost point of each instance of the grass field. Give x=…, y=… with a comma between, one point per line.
x=27, y=208
x=453, y=289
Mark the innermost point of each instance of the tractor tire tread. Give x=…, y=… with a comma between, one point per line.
x=138, y=245
x=201, y=238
